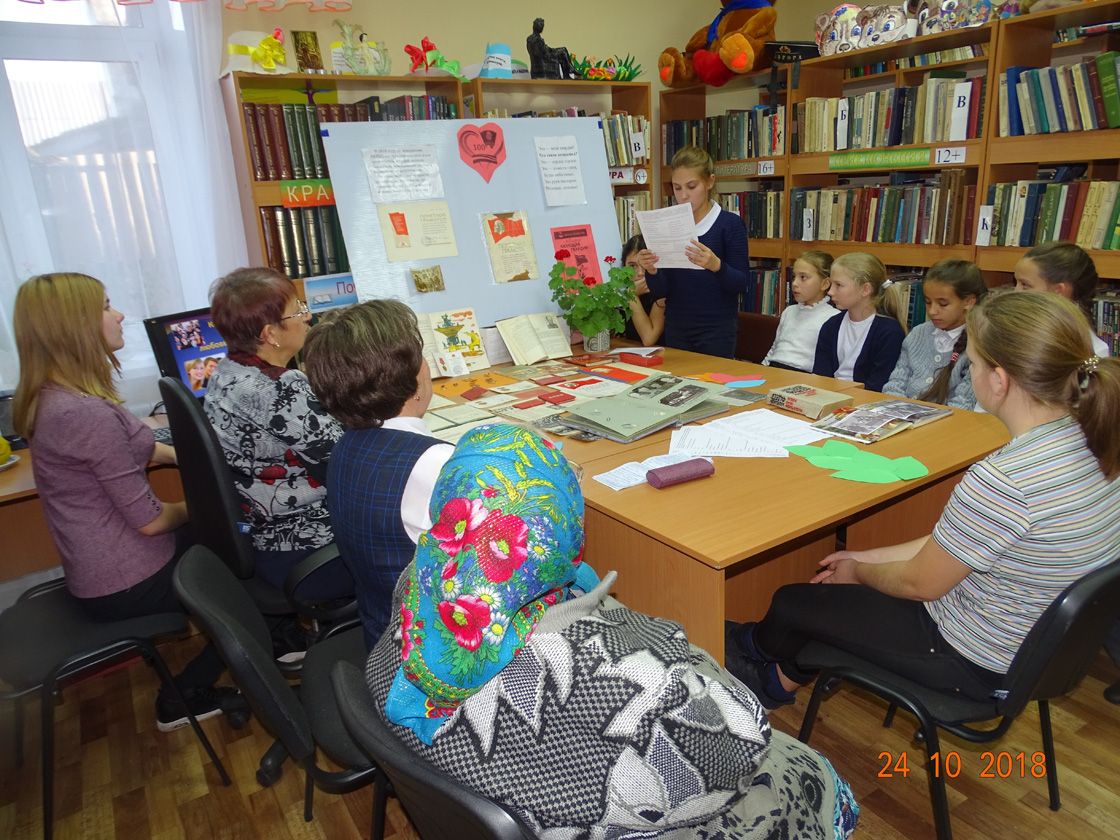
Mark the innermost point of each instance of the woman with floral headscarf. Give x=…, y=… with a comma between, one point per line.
x=510, y=668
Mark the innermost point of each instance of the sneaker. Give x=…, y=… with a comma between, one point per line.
x=754, y=675
x=203, y=702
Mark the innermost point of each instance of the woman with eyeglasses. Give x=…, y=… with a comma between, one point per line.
x=275, y=435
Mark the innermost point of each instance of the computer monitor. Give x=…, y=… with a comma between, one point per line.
x=187, y=346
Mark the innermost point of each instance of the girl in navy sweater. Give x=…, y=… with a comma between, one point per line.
x=701, y=312
x=860, y=345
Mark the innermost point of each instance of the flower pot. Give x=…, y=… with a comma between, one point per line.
x=598, y=343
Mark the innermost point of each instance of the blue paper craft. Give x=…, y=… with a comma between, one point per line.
x=745, y=383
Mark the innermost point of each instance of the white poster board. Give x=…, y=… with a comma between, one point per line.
x=515, y=184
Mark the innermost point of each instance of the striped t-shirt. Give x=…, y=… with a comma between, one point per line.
x=1028, y=520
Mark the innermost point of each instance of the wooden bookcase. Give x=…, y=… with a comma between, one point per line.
x=1026, y=40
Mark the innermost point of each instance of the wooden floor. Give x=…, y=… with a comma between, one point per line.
x=119, y=777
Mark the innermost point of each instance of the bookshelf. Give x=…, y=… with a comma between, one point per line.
x=631, y=173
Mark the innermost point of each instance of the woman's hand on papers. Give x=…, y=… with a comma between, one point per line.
x=838, y=567
x=647, y=260
x=700, y=254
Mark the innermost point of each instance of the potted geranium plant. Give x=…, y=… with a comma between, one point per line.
x=595, y=309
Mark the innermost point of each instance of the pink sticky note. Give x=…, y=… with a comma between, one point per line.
x=719, y=378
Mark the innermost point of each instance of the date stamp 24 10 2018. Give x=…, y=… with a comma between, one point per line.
x=993, y=765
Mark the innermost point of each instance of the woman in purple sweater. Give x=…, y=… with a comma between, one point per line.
x=90, y=456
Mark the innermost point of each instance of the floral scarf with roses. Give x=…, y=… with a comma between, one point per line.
x=507, y=543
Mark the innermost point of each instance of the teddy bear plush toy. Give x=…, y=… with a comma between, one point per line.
x=732, y=43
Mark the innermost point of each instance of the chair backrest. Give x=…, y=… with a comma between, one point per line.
x=437, y=805
x=228, y=616
x=208, y=484
x=755, y=336
x=1064, y=641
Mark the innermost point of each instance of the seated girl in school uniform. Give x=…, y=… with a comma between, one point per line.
x=701, y=312
x=951, y=610
x=1064, y=269
x=647, y=316
x=933, y=365
x=860, y=344
x=795, y=344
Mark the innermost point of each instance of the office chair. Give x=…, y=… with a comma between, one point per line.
x=302, y=719
x=46, y=638
x=1050, y=663
x=215, y=509
x=755, y=336
x=437, y=805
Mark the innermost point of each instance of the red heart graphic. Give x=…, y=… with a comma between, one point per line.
x=482, y=148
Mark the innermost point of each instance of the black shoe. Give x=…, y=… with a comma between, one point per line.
x=203, y=702
x=754, y=676
x=1112, y=693
x=289, y=642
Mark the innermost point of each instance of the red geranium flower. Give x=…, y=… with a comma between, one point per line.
x=500, y=544
x=457, y=521
x=609, y=260
x=465, y=617
x=563, y=254
x=589, y=281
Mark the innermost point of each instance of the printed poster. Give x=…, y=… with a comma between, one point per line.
x=561, y=175
x=579, y=242
x=419, y=230
x=402, y=173
x=510, y=246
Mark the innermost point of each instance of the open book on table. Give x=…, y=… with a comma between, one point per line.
x=533, y=338
x=875, y=421
x=446, y=334
x=656, y=403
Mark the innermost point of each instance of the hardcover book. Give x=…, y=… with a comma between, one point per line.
x=875, y=421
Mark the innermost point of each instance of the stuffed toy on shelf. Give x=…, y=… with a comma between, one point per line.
x=731, y=44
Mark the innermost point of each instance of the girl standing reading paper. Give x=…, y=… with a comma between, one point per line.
x=933, y=365
x=701, y=306
x=90, y=456
x=951, y=610
x=859, y=344
x=795, y=344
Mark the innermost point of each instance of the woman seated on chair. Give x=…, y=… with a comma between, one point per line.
x=275, y=435
x=509, y=667
x=116, y=539
x=949, y=611
x=366, y=363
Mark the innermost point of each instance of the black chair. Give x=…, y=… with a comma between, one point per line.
x=1050, y=663
x=46, y=638
x=301, y=719
x=215, y=510
x=438, y=806
x=755, y=336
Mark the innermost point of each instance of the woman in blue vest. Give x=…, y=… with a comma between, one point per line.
x=366, y=363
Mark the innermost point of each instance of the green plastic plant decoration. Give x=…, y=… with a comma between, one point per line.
x=853, y=464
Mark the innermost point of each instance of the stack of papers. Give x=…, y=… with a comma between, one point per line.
x=753, y=434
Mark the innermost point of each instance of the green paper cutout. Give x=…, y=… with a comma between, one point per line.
x=853, y=464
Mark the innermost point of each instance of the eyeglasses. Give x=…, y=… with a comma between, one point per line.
x=303, y=311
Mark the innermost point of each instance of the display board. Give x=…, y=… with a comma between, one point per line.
x=459, y=208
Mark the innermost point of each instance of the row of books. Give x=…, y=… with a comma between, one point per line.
x=624, y=208
x=626, y=137
x=1106, y=319
x=1073, y=33
x=924, y=60
x=738, y=134
x=760, y=210
x=284, y=140
x=304, y=241
x=763, y=285
x=911, y=299
x=942, y=108
x=1032, y=212
x=1068, y=97
x=937, y=210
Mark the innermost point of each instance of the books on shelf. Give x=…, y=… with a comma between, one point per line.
x=759, y=208
x=533, y=338
x=1083, y=96
x=627, y=138
x=763, y=285
x=625, y=206
x=947, y=106
x=303, y=241
x=915, y=208
x=969, y=51
x=875, y=421
x=1032, y=212
x=1106, y=317
x=738, y=134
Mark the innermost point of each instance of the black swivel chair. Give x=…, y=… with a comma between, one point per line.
x=438, y=806
x=214, y=508
x=47, y=638
x=301, y=719
x=1050, y=663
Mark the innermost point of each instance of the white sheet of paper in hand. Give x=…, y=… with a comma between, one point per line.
x=667, y=231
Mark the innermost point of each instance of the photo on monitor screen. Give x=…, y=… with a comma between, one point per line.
x=187, y=346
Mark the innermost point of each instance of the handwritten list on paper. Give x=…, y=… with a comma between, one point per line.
x=561, y=175
x=403, y=173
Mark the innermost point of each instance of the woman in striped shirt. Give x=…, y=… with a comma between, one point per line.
x=950, y=610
